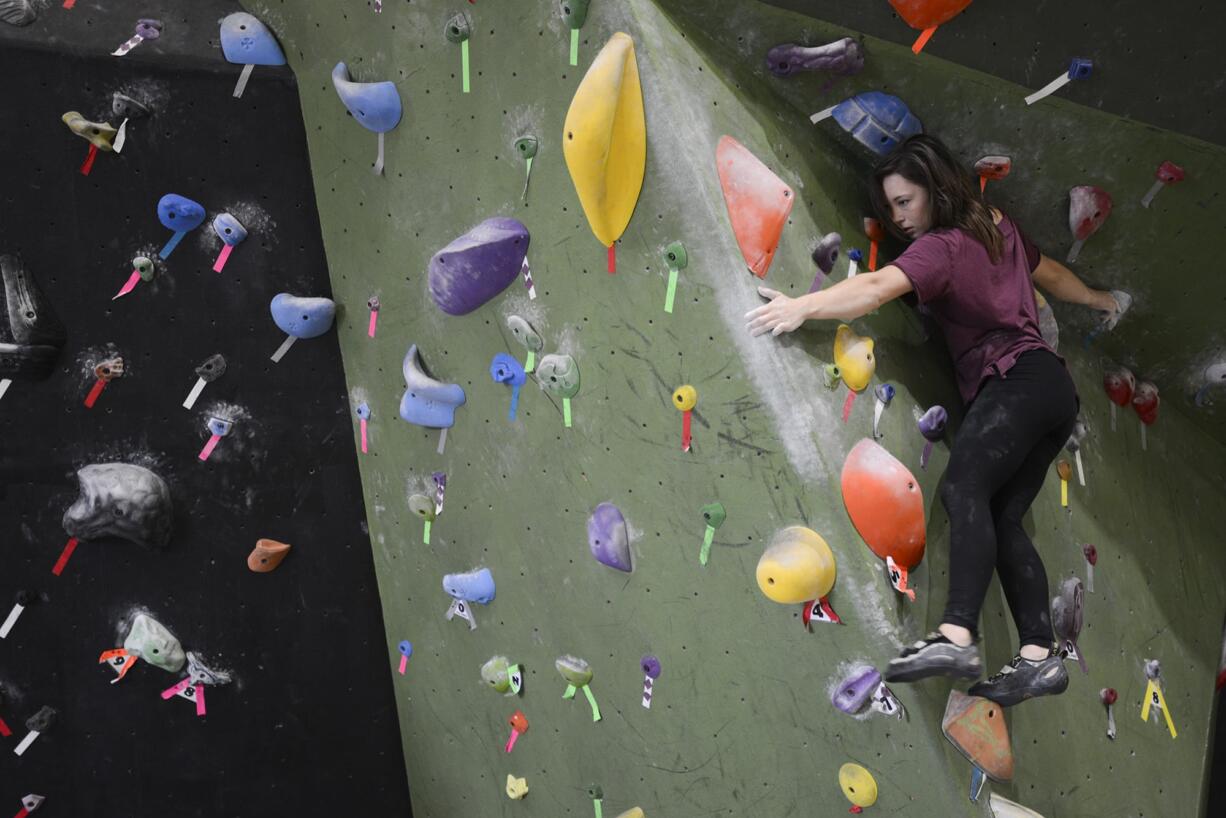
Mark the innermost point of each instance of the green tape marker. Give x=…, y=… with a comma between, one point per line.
x=530, y=363
x=566, y=412
x=677, y=259
x=574, y=60
x=591, y=699
x=570, y=692
x=425, y=532
x=464, y=64
x=705, y=553
x=672, y=290
x=596, y=801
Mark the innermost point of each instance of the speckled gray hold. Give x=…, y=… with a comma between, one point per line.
x=32, y=336
x=17, y=12
x=42, y=720
x=121, y=500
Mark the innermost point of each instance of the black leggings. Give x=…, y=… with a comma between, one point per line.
x=1012, y=432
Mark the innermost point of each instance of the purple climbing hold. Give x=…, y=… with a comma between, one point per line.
x=932, y=423
x=843, y=57
x=607, y=537
x=651, y=666
x=853, y=694
x=478, y=265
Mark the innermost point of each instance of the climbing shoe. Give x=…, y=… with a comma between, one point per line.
x=1024, y=679
x=934, y=655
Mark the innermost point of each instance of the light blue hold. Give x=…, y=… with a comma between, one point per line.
x=301, y=316
x=247, y=41
x=228, y=229
x=375, y=105
x=427, y=402
x=474, y=586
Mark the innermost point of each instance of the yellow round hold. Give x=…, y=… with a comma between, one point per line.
x=854, y=357
x=797, y=566
x=604, y=139
x=858, y=785
x=685, y=398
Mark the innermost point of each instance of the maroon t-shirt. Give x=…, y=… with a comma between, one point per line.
x=987, y=311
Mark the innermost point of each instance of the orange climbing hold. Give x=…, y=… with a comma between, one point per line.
x=977, y=728
x=885, y=504
x=926, y=15
x=758, y=203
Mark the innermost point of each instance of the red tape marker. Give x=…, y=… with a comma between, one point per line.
x=4, y=729
x=88, y=164
x=851, y=398
x=69, y=3
x=923, y=39
x=65, y=555
x=685, y=430
x=612, y=259
x=92, y=397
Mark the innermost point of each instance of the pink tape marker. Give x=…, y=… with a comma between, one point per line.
x=69, y=3
x=231, y=232
x=65, y=555
x=373, y=304
x=222, y=257
x=363, y=412
x=406, y=650
x=851, y=398
x=362, y=423
x=128, y=286
x=218, y=428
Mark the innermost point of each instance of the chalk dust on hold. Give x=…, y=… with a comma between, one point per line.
x=358, y=395
x=782, y=376
x=260, y=226
x=531, y=311
x=153, y=94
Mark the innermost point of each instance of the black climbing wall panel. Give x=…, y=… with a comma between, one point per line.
x=308, y=727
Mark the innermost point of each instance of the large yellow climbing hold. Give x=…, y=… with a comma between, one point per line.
x=797, y=566
x=605, y=139
x=858, y=785
x=853, y=355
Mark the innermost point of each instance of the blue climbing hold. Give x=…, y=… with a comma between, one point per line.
x=229, y=229
x=427, y=402
x=877, y=121
x=474, y=586
x=375, y=105
x=505, y=369
x=179, y=213
x=247, y=41
x=302, y=317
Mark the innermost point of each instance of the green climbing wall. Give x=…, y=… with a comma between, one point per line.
x=742, y=723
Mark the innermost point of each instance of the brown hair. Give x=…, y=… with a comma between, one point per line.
x=955, y=199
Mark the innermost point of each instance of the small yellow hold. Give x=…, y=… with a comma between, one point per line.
x=634, y=812
x=853, y=355
x=685, y=398
x=797, y=566
x=858, y=785
x=517, y=788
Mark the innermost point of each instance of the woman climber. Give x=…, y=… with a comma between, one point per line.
x=974, y=271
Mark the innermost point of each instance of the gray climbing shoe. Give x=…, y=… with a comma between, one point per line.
x=1024, y=679
x=935, y=655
